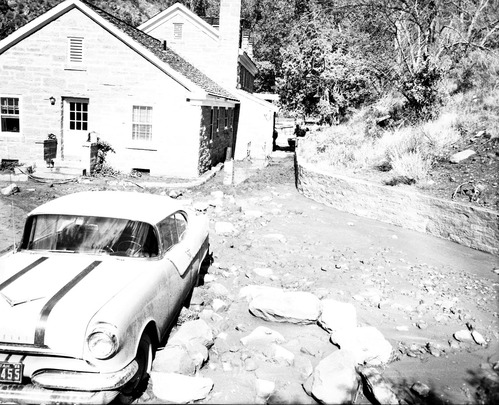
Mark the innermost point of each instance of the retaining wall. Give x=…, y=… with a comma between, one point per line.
x=467, y=225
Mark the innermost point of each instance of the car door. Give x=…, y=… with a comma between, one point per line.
x=179, y=279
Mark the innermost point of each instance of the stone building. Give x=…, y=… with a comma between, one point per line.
x=77, y=70
x=222, y=48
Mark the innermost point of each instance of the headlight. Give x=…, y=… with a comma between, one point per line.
x=103, y=341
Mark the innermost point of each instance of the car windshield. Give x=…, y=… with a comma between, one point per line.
x=97, y=235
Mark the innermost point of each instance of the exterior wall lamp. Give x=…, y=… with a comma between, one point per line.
x=52, y=100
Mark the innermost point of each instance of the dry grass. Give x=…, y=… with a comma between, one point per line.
x=409, y=150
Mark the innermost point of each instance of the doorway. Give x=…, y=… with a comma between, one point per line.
x=75, y=127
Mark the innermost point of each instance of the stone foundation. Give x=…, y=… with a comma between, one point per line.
x=467, y=225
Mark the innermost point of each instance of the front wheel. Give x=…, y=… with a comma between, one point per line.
x=144, y=359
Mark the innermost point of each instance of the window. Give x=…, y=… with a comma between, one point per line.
x=226, y=121
x=10, y=114
x=177, y=31
x=142, y=123
x=78, y=116
x=214, y=121
x=75, y=51
x=172, y=230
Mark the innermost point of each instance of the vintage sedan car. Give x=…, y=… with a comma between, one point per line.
x=95, y=286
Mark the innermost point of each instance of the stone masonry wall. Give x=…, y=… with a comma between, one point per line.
x=471, y=226
x=213, y=151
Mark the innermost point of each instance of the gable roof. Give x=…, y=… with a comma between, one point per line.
x=177, y=9
x=150, y=48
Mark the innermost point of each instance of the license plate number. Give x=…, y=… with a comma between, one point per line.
x=11, y=372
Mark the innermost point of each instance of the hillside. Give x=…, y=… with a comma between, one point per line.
x=14, y=14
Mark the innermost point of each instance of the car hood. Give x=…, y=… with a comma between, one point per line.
x=48, y=300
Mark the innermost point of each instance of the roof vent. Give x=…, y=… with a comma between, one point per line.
x=164, y=45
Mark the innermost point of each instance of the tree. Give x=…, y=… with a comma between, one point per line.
x=323, y=73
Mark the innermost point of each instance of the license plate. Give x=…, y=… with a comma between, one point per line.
x=11, y=372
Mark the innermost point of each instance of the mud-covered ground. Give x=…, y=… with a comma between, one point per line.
x=416, y=289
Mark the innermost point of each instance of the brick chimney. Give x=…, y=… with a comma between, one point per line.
x=230, y=15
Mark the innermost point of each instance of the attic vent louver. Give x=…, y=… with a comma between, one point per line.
x=75, y=49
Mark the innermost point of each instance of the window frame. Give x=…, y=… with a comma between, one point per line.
x=150, y=123
x=19, y=115
x=176, y=238
x=83, y=121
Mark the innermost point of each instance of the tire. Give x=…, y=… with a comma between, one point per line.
x=144, y=359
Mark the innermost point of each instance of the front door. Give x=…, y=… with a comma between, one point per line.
x=76, y=127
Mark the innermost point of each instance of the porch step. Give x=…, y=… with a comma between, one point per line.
x=62, y=168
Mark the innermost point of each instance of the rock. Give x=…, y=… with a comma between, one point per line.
x=10, y=189
x=337, y=315
x=250, y=365
x=460, y=156
x=478, y=338
x=421, y=389
x=174, y=359
x=252, y=214
x=304, y=366
x=463, y=336
x=201, y=206
x=193, y=331
x=224, y=228
x=295, y=307
x=263, y=272
x=218, y=195
x=264, y=388
x=174, y=194
x=263, y=334
x=283, y=355
x=435, y=349
x=180, y=389
x=334, y=380
x=219, y=305
x=276, y=236
x=250, y=292
x=402, y=328
x=378, y=387
x=367, y=344
x=218, y=290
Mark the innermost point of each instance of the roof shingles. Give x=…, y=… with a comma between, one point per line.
x=166, y=55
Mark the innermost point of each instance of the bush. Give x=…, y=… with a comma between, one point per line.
x=103, y=148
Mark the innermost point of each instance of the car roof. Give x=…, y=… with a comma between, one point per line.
x=144, y=207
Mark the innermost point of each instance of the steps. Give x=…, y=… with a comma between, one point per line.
x=63, y=169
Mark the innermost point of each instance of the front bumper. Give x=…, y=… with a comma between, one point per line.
x=30, y=394
x=60, y=386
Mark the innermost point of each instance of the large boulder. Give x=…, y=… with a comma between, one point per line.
x=295, y=307
x=367, y=344
x=174, y=359
x=334, y=380
x=250, y=292
x=337, y=315
x=377, y=387
x=180, y=389
x=193, y=331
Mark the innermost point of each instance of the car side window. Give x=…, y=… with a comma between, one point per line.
x=181, y=223
x=172, y=229
x=168, y=232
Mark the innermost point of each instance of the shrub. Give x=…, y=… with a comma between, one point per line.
x=103, y=148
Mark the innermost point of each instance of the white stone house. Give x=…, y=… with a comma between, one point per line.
x=77, y=69
x=223, y=51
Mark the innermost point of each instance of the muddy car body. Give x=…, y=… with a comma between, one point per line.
x=95, y=286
